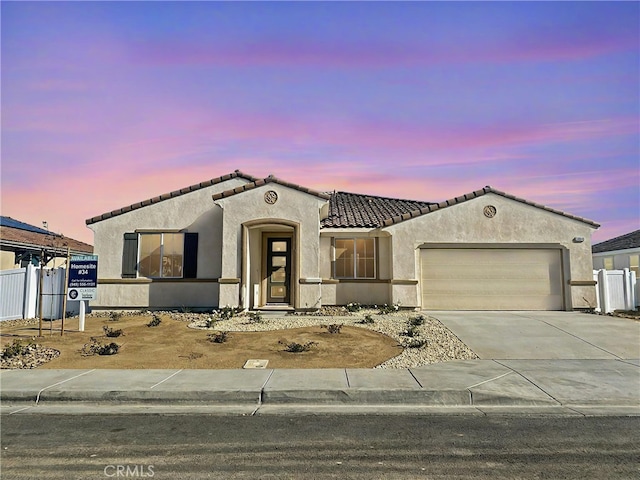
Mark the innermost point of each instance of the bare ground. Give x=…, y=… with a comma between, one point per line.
x=172, y=345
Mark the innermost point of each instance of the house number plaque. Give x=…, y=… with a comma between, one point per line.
x=271, y=197
x=489, y=211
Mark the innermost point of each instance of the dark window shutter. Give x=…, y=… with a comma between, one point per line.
x=190, y=255
x=130, y=255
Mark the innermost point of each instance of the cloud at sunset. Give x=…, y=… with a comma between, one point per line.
x=109, y=103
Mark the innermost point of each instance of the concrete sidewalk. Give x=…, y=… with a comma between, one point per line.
x=567, y=387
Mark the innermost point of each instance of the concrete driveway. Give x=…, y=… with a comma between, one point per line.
x=544, y=335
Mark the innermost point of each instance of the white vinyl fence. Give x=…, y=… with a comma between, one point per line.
x=616, y=290
x=19, y=293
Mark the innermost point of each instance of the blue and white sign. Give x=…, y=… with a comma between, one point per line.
x=83, y=277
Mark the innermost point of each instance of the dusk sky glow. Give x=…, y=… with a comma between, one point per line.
x=105, y=104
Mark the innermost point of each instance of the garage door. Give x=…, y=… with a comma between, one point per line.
x=491, y=279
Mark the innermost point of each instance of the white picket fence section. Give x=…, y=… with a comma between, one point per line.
x=19, y=293
x=616, y=290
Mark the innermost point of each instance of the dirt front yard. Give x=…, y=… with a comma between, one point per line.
x=172, y=345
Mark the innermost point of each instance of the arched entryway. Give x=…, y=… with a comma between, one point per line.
x=270, y=265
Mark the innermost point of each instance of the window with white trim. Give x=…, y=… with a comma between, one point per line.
x=354, y=258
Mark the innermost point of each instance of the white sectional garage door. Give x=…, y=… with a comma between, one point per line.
x=491, y=279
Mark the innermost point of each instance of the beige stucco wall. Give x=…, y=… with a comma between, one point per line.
x=190, y=212
x=7, y=260
x=294, y=209
x=515, y=223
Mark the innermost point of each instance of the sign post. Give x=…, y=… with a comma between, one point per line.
x=83, y=281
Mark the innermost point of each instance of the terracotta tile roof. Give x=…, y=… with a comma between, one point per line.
x=623, y=242
x=270, y=179
x=166, y=196
x=25, y=236
x=349, y=210
x=479, y=193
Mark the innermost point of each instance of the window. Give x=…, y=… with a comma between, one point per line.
x=160, y=255
x=354, y=258
x=634, y=264
x=608, y=263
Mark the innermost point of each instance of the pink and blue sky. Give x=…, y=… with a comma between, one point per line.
x=105, y=104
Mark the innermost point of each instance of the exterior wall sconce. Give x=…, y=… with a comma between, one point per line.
x=578, y=239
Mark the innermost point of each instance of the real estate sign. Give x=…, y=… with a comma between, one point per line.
x=83, y=277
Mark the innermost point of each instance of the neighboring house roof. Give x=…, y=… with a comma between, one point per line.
x=264, y=181
x=166, y=196
x=478, y=193
x=623, y=242
x=13, y=223
x=349, y=210
x=19, y=235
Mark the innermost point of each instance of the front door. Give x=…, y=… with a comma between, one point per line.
x=278, y=270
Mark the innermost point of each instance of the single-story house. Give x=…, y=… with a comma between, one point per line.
x=22, y=243
x=264, y=243
x=618, y=253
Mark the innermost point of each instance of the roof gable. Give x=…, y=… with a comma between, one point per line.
x=623, y=242
x=264, y=181
x=167, y=196
x=478, y=193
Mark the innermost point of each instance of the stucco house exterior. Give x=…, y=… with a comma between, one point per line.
x=618, y=253
x=264, y=243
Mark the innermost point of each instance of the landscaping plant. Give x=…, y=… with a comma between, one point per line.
x=14, y=349
x=218, y=337
x=97, y=348
x=333, y=328
x=155, y=321
x=110, y=332
x=295, y=347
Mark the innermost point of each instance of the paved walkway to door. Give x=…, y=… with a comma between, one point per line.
x=544, y=335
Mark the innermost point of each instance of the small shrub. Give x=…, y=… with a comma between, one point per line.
x=255, y=317
x=411, y=331
x=367, y=319
x=334, y=327
x=115, y=316
x=97, y=348
x=416, y=321
x=227, y=313
x=109, y=349
x=184, y=309
x=155, y=321
x=218, y=337
x=415, y=343
x=386, y=309
x=353, y=307
x=209, y=322
x=110, y=332
x=14, y=349
x=295, y=347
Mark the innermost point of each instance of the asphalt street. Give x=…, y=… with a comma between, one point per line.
x=319, y=446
